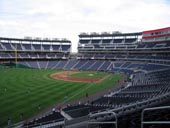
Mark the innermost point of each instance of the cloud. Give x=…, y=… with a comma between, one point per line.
x=67, y=18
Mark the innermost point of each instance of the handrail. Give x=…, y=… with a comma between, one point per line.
x=153, y=122
x=99, y=122
x=117, y=110
x=43, y=123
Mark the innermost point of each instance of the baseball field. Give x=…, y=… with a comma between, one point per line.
x=30, y=91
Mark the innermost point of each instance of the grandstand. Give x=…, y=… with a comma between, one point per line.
x=34, y=49
x=139, y=102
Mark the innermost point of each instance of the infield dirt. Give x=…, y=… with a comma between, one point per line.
x=66, y=76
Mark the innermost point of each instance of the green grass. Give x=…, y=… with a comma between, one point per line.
x=89, y=74
x=22, y=90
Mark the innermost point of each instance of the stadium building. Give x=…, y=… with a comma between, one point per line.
x=141, y=101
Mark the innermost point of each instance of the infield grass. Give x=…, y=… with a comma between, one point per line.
x=23, y=90
x=89, y=74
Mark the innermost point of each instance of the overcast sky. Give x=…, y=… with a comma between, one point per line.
x=68, y=18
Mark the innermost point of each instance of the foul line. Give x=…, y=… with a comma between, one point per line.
x=79, y=92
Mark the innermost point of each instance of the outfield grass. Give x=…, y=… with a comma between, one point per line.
x=23, y=90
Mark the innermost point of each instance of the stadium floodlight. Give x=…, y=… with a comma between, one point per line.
x=37, y=38
x=116, y=32
x=64, y=39
x=84, y=33
x=94, y=33
x=27, y=37
x=105, y=33
x=46, y=38
x=55, y=39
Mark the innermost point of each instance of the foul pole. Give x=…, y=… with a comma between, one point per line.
x=16, y=55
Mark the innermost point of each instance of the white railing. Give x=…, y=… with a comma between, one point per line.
x=153, y=122
x=102, y=122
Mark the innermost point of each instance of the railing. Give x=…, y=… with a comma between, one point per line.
x=100, y=122
x=47, y=124
x=153, y=122
x=138, y=105
x=17, y=125
x=76, y=122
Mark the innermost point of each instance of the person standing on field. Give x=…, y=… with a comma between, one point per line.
x=87, y=95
